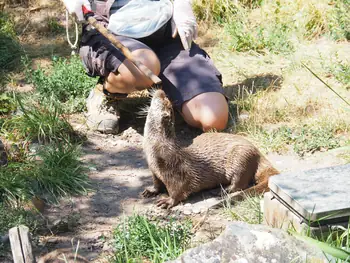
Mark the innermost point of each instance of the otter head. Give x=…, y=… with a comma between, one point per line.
x=160, y=116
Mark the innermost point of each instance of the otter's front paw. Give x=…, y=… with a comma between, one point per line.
x=150, y=192
x=166, y=203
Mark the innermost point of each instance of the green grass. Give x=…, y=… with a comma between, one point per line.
x=66, y=81
x=7, y=104
x=341, y=71
x=15, y=182
x=53, y=172
x=137, y=239
x=304, y=139
x=247, y=210
x=60, y=172
x=335, y=243
x=42, y=122
x=242, y=36
x=274, y=26
x=10, y=48
x=11, y=217
x=54, y=26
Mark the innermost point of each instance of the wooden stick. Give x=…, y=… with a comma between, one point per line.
x=104, y=31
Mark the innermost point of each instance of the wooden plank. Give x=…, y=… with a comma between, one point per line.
x=21, y=245
x=16, y=247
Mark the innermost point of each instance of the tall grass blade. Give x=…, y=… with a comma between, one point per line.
x=325, y=84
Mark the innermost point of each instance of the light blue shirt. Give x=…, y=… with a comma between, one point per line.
x=118, y=4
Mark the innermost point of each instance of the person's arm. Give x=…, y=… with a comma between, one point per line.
x=184, y=22
x=76, y=7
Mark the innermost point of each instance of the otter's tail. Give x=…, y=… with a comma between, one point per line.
x=264, y=172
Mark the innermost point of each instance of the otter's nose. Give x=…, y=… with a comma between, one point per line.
x=160, y=94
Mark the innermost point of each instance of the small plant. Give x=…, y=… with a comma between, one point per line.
x=54, y=26
x=335, y=244
x=247, y=210
x=43, y=123
x=15, y=181
x=11, y=217
x=138, y=239
x=60, y=173
x=10, y=49
x=7, y=104
x=67, y=82
x=309, y=139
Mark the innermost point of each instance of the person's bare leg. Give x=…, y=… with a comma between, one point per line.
x=129, y=77
x=206, y=111
x=102, y=115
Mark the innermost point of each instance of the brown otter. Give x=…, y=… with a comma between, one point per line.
x=62, y=256
x=211, y=161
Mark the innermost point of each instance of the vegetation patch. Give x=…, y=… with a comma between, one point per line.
x=66, y=81
x=10, y=48
x=137, y=239
x=54, y=171
x=304, y=138
x=11, y=217
x=275, y=26
x=42, y=122
x=60, y=173
x=247, y=210
x=7, y=104
x=15, y=182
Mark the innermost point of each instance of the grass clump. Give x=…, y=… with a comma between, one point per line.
x=7, y=104
x=244, y=36
x=275, y=26
x=335, y=244
x=10, y=48
x=303, y=138
x=15, y=181
x=60, y=172
x=42, y=122
x=247, y=210
x=66, y=81
x=138, y=239
x=54, y=171
x=11, y=217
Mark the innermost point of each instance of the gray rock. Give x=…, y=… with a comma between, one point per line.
x=242, y=242
x=317, y=193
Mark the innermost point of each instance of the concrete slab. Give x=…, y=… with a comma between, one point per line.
x=315, y=194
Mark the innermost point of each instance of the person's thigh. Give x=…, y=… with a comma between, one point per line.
x=101, y=58
x=193, y=84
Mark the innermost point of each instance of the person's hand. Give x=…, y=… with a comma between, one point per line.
x=184, y=22
x=76, y=7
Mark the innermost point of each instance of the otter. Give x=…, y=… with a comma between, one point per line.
x=62, y=256
x=213, y=159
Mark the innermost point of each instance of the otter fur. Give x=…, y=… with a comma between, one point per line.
x=212, y=160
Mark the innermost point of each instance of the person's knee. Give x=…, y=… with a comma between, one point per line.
x=217, y=122
x=129, y=78
x=148, y=58
x=208, y=111
x=214, y=118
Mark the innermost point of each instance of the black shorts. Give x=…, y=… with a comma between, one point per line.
x=184, y=74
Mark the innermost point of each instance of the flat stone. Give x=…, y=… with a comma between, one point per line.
x=277, y=215
x=242, y=242
x=315, y=193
